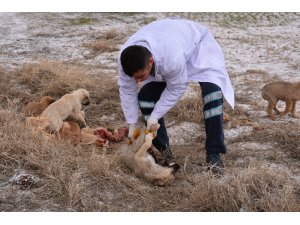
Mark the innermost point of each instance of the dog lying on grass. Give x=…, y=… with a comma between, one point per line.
x=70, y=131
x=284, y=91
x=68, y=105
x=36, y=108
x=37, y=122
x=102, y=136
x=137, y=158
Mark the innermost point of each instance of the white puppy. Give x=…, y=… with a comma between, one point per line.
x=67, y=106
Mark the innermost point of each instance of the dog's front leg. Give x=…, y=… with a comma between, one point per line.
x=143, y=149
x=79, y=117
x=288, y=107
x=270, y=110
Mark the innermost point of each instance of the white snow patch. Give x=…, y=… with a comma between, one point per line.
x=183, y=133
x=254, y=146
x=244, y=106
x=192, y=90
x=107, y=118
x=234, y=133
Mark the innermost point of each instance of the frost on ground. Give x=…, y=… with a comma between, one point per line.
x=263, y=155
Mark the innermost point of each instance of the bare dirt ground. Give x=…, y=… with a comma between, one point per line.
x=54, y=53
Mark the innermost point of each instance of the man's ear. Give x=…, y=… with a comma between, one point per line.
x=151, y=60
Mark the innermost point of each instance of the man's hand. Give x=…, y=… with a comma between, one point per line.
x=152, y=124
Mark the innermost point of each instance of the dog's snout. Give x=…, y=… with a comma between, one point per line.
x=87, y=102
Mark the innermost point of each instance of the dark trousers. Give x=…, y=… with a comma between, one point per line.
x=213, y=115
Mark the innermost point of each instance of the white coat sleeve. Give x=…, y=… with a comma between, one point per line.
x=128, y=90
x=177, y=82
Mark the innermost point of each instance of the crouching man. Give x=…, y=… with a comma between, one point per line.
x=164, y=56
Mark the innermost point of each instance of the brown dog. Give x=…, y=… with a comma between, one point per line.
x=137, y=158
x=87, y=136
x=36, y=108
x=70, y=131
x=284, y=91
x=66, y=106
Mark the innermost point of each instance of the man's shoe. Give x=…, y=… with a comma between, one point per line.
x=215, y=164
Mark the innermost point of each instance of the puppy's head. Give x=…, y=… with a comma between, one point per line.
x=48, y=100
x=83, y=95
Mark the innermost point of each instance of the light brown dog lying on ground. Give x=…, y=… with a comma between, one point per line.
x=36, y=108
x=137, y=158
x=70, y=131
x=284, y=91
x=39, y=123
x=87, y=136
x=67, y=105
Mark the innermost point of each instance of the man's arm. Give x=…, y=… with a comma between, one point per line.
x=128, y=94
x=177, y=82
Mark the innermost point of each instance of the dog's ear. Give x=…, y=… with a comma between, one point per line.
x=51, y=100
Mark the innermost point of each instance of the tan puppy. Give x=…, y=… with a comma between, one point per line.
x=137, y=158
x=39, y=123
x=70, y=131
x=36, y=108
x=87, y=136
x=284, y=91
x=68, y=105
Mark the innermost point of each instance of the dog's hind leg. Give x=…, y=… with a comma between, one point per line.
x=294, y=110
x=288, y=107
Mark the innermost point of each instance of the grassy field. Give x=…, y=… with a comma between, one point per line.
x=53, y=54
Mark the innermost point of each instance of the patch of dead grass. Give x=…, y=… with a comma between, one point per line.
x=32, y=81
x=188, y=109
x=107, y=42
x=256, y=188
x=102, y=46
x=89, y=178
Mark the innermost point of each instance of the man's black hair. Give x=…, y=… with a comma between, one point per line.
x=134, y=58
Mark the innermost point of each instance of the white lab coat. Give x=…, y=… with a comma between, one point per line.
x=183, y=51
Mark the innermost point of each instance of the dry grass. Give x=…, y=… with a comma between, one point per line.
x=107, y=42
x=90, y=178
x=103, y=46
x=187, y=109
x=256, y=188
